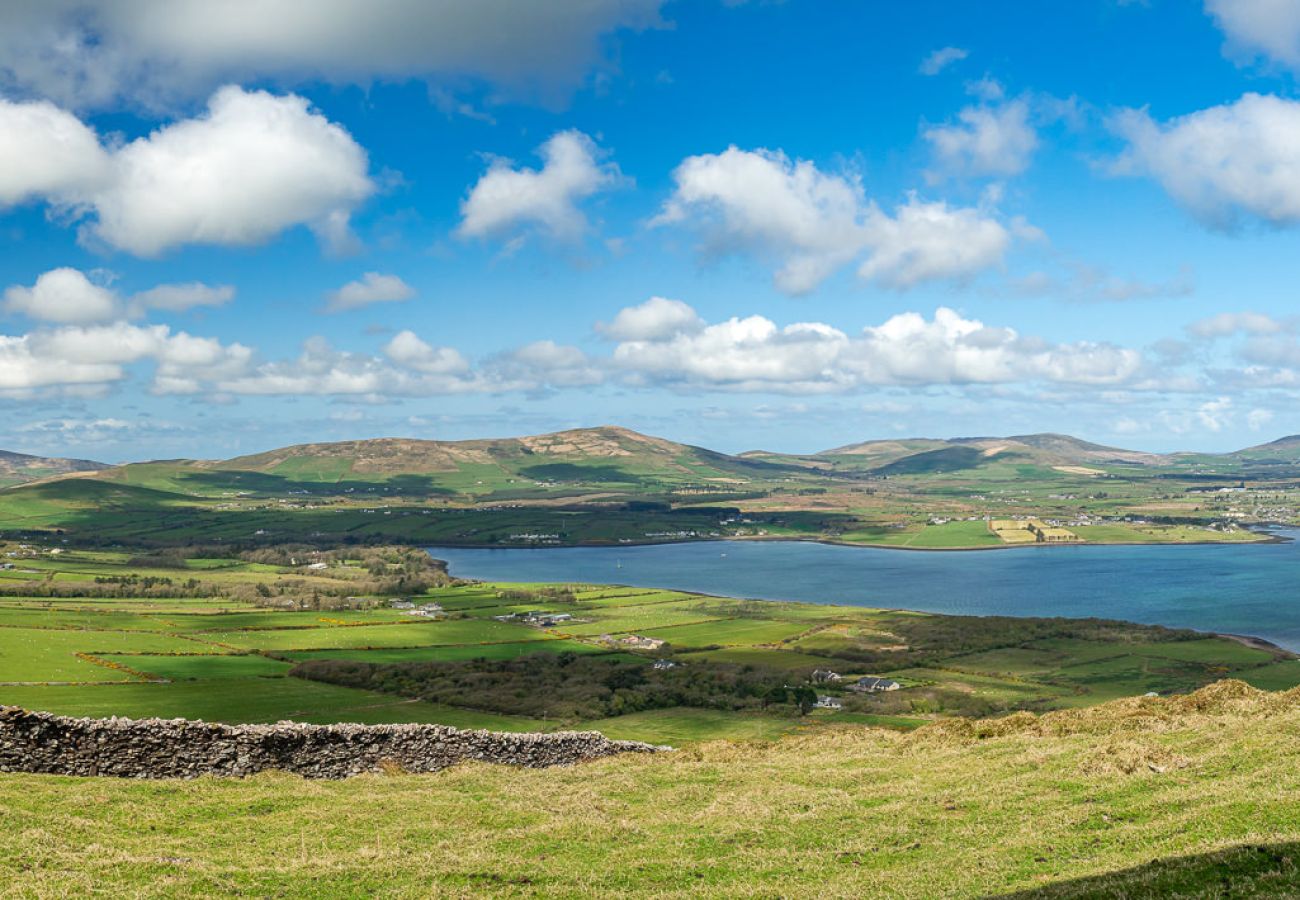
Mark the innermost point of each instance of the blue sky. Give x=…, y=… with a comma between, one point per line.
x=780, y=225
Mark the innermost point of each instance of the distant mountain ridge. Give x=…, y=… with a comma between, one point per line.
x=18, y=468
x=616, y=455
x=1046, y=448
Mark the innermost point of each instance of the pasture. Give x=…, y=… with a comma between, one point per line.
x=222, y=658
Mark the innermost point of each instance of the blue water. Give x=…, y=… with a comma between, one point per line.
x=1245, y=589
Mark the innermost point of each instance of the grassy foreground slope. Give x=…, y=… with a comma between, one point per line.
x=1188, y=796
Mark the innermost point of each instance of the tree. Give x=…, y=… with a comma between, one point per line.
x=805, y=698
x=775, y=694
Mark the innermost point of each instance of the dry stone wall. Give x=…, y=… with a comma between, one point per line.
x=178, y=748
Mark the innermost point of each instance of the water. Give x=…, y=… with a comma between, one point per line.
x=1243, y=589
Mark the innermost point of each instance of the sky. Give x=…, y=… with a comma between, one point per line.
x=747, y=225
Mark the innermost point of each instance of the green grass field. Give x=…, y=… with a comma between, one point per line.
x=1186, y=797
x=225, y=659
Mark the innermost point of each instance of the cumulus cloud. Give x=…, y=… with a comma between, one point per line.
x=932, y=241
x=986, y=140
x=179, y=298
x=1224, y=162
x=407, y=349
x=755, y=354
x=1229, y=323
x=161, y=52
x=251, y=166
x=47, y=152
x=1269, y=28
x=507, y=199
x=812, y=223
x=544, y=365
x=653, y=320
x=371, y=288
x=940, y=59
x=66, y=295
x=63, y=295
x=100, y=354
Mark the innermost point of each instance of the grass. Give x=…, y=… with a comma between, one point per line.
x=1188, y=797
x=227, y=660
x=242, y=700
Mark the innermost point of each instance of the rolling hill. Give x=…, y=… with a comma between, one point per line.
x=19, y=468
x=924, y=455
x=595, y=458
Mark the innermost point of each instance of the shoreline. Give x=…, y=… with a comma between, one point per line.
x=1247, y=640
x=1260, y=539
x=1252, y=641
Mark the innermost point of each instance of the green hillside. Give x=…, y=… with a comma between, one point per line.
x=19, y=468
x=1186, y=797
x=610, y=485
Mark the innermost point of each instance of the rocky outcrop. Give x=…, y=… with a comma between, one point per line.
x=178, y=748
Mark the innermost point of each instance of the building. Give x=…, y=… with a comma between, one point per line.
x=401, y=604
x=824, y=676
x=870, y=685
x=665, y=664
x=825, y=702
x=633, y=641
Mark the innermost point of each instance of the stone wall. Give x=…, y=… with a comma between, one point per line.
x=177, y=748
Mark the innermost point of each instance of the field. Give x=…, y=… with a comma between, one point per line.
x=610, y=486
x=1187, y=797
x=216, y=657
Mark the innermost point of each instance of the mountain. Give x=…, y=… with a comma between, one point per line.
x=1284, y=448
x=917, y=456
x=18, y=468
x=608, y=456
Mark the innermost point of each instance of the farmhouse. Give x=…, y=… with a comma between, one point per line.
x=826, y=702
x=633, y=641
x=401, y=604
x=870, y=684
x=537, y=618
x=665, y=664
x=1031, y=531
x=824, y=676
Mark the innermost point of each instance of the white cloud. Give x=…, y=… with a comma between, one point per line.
x=180, y=297
x=940, y=59
x=46, y=152
x=1269, y=28
x=506, y=199
x=932, y=241
x=68, y=296
x=372, y=287
x=1215, y=415
x=1256, y=419
x=1222, y=162
x=160, y=52
x=407, y=349
x=1228, y=324
x=812, y=223
x=542, y=365
x=100, y=354
x=987, y=140
x=63, y=295
x=253, y=166
x=250, y=167
x=761, y=201
x=754, y=354
x=653, y=320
